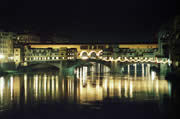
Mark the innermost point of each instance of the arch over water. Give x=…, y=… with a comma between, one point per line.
x=99, y=54
x=84, y=54
x=93, y=54
x=43, y=65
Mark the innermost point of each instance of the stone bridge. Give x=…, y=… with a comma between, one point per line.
x=115, y=66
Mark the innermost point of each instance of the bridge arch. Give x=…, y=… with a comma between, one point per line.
x=84, y=55
x=99, y=54
x=92, y=54
x=43, y=65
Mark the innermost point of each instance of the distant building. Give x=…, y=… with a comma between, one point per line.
x=26, y=38
x=38, y=54
x=174, y=43
x=6, y=46
x=72, y=53
x=63, y=53
x=18, y=56
x=131, y=50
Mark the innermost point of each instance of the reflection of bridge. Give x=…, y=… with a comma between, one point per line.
x=46, y=87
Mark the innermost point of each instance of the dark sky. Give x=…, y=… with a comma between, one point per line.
x=121, y=20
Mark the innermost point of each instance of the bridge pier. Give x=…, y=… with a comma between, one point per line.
x=128, y=68
x=163, y=69
x=135, y=70
x=142, y=70
x=60, y=67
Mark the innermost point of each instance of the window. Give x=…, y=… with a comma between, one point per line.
x=95, y=47
x=90, y=47
x=101, y=47
x=84, y=47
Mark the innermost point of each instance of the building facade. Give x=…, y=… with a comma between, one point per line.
x=49, y=54
x=6, y=46
x=18, y=56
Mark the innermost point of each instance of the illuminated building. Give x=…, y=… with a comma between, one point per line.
x=72, y=53
x=18, y=56
x=6, y=46
x=131, y=50
x=63, y=53
x=38, y=54
x=81, y=48
x=48, y=54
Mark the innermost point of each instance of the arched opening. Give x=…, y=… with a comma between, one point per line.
x=42, y=67
x=100, y=53
x=84, y=55
x=93, y=55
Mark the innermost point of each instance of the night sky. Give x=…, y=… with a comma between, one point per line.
x=90, y=20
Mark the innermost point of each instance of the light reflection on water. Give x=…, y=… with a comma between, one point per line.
x=81, y=89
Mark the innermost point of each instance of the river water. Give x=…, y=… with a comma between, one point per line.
x=84, y=94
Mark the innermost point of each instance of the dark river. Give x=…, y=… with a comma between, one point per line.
x=85, y=94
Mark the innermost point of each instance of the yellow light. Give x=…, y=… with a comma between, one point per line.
x=91, y=53
x=84, y=58
x=98, y=54
x=153, y=75
x=1, y=56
